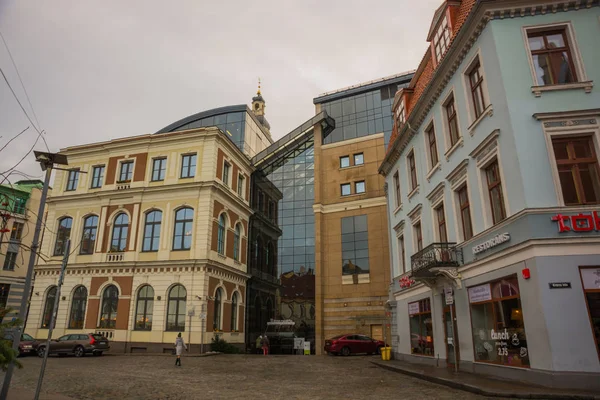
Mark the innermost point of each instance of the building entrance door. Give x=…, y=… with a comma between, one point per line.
x=590, y=277
x=451, y=336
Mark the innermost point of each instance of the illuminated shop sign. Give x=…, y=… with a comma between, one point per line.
x=493, y=242
x=578, y=223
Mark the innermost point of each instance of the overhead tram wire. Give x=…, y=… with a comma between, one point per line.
x=14, y=137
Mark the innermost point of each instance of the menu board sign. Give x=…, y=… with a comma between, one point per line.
x=413, y=308
x=480, y=293
x=590, y=278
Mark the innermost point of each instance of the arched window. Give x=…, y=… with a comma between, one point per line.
x=218, y=309
x=236, y=242
x=221, y=234
x=48, y=307
x=62, y=234
x=110, y=300
x=144, y=308
x=88, y=238
x=176, y=309
x=182, y=237
x=120, y=233
x=152, y=231
x=234, y=312
x=78, y=308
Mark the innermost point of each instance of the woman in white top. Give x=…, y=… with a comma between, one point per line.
x=179, y=346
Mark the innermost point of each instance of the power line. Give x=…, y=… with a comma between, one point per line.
x=40, y=133
x=20, y=80
x=14, y=137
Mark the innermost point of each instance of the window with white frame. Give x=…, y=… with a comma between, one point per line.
x=440, y=219
x=418, y=236
x=464, y=206
x=432, y=146
x=553, y=55
x=73, y=179
x=126, y=171
x=400, y=115
x=451, y=118
x=441, y=39
x=397, y=188
x=412, y=170
x=226, y=168
x=494, y=186
x=401, y=254
x=476, y=88
x=240, y=185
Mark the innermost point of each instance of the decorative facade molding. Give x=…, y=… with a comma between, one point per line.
x=415, y=213
x=487, y=146
x=437, y=192
x=458, y=173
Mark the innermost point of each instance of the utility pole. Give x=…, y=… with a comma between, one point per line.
x=53, y=318
x=47, y=161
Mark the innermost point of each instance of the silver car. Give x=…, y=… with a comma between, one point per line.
x=78, y=344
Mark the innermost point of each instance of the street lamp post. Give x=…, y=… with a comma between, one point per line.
x=47, y=161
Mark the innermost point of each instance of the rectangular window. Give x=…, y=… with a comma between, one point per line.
x=552, y=57
x=345, y=189
x=126, y=171
x=188, y=165
x=19, y=205
x=344, y=161
x=441, y=39
x=359, y=187
x=240, y=185
x=10, y=261
x=441, y=221
x=226, y=168
x=578, y=170
x=433, y=153
x=159, y=167
x=355, y=245
x=476, y=83
x=402, y=254
x=465, y=213
x=492, y=172
x=397, y=188
x=73, y=179
x=589, y=278
x=418, y=236
x=412, y=170
x=359, y=159
x=17, y=231
x=400, y=115
x=97, y=176
x=452, y=121
x=497, y=323
x=421, y=327
x=4, y=290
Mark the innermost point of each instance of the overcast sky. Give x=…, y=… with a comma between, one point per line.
x=97, y=70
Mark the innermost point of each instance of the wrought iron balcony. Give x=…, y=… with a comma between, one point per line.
x=436, y=256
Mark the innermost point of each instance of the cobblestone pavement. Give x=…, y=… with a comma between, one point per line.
x=227, y=377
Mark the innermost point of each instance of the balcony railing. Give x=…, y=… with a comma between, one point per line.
x=115, y=257
x=264, y=276
x=436, y=255
x=123, y=186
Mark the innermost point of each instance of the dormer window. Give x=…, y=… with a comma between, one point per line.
x=441, y=39
x=400, y=115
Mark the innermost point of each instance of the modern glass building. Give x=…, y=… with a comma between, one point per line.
x=238, y=122
x=364, y=109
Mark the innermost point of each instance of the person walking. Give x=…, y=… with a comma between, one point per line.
x=265, y=345
x=258, y=343
x=179, y=346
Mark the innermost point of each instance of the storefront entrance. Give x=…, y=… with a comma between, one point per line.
x=451, y=336
x=591, y=287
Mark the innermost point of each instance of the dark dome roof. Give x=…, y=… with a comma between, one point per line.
x=258, y=97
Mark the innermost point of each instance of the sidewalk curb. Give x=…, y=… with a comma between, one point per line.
x=159, y=354
x=477, y=390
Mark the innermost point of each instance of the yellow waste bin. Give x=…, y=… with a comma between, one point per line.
x=386, y=353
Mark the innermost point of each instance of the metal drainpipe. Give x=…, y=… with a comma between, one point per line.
x=385, y=189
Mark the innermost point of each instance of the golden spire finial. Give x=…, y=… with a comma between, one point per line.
x=258, y=92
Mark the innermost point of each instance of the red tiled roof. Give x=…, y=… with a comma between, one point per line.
x=426, y=68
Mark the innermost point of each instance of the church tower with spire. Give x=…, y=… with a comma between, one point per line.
x=258, y=108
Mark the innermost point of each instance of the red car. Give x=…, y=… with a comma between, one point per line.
x=353, y=344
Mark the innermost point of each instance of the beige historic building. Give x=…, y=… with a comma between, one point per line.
x=158, y=227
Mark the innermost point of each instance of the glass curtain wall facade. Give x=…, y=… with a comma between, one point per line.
x=362, y=114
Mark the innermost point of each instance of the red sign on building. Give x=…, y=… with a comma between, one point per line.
x=578, y=223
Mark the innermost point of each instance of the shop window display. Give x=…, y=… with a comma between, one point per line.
x=421, y=327
x=497, y=322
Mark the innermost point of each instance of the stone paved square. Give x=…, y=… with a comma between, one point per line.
x=227, y=377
